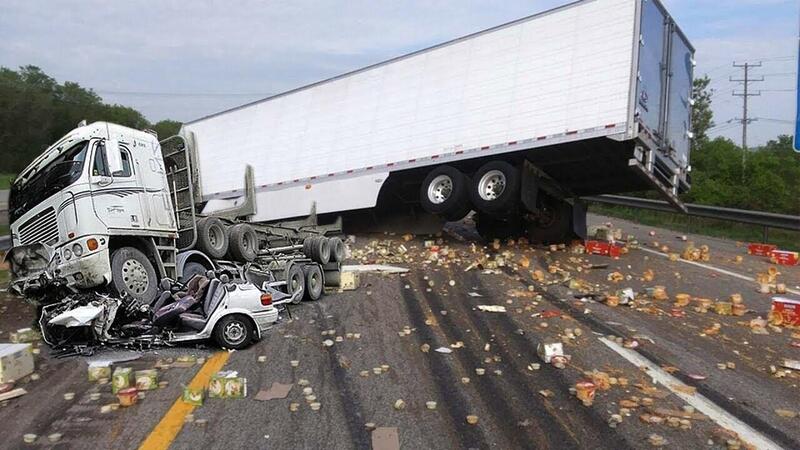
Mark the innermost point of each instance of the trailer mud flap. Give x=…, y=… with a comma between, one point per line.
x=579, y=219
x=669, y=193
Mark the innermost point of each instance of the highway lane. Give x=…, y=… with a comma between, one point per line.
x=517, y=406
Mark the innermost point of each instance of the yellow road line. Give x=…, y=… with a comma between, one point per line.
x=170, y=425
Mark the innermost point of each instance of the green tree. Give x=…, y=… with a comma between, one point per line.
x=35, y=111
x=702, y=116
x=166, y=128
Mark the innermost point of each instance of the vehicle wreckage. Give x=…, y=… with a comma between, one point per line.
x=232, y=312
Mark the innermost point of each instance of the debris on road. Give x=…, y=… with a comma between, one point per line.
x=385, y=438
x=16, y=361
x=492, y=308
x=276, y=391
x=227, y=384
x=193, y=396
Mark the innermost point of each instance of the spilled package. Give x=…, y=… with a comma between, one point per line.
x=227, y=384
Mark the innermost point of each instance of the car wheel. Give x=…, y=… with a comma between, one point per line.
x=444, y=192
x=234, y=331
x=314, y=282
x=211, y=237
x=295, y=280
x=242, y=243
x=133, y=275
x=495, y=187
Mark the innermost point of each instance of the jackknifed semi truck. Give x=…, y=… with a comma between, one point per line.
x=515, y=123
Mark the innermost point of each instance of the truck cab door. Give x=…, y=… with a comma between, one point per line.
x=115, y=196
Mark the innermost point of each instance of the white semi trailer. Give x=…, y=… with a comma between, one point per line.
x=516, y=123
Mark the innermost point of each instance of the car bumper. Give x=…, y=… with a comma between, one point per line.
x=265, y=319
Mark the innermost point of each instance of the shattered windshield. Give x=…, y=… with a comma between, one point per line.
x=60, y=173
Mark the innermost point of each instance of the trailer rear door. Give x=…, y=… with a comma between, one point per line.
x=680, y=93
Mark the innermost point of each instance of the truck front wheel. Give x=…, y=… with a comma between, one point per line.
x=133, y=275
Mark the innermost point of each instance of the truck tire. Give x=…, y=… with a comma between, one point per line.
x=495, y=187
x=133, y=275
x=321, y=250
x=234, y=331
x=552, y=225
x=295, y=279
x=491, y=227
x=308, y=247
x=337, y=249
x=445, y=192
x=242, y=243
x=211, y=237
x=314, y=282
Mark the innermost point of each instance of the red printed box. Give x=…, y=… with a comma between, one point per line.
x=785, y=311
x=760, y=249
x=603, y=248
x=784, y=257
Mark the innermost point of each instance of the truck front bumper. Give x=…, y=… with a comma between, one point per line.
x=34, y=266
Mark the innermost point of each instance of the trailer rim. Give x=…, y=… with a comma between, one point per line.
x=440, y=189
x=492, y=185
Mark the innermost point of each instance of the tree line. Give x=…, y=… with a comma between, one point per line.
x=770, y=180
x=36, y=111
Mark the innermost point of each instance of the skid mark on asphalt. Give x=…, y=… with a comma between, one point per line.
x=519, y=346
x=351, y=404
x=544, y=433
x=171, y=424
x=455, y=402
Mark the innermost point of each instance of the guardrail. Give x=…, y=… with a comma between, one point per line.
x=761, y=218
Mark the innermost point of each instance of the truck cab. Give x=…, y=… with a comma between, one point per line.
x=93, y=209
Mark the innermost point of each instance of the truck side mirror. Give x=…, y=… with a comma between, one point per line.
x=113, y=156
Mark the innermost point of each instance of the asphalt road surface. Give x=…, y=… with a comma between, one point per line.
x=379, y=332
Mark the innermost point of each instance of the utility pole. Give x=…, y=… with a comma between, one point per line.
x=745, y=95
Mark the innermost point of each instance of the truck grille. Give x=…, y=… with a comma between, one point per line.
x=41, y=228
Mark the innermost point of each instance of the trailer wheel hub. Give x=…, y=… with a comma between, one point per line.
x=491, y=185
x=135, y=276
x=440, y=189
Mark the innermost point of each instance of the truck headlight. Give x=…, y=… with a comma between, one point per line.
x=77, y=249
x=67, y=254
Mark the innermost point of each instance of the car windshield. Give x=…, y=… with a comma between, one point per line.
x=58, y=174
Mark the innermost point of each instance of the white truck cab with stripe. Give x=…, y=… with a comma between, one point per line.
x=99, y=192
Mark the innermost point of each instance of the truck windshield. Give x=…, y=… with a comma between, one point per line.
x=58, y=174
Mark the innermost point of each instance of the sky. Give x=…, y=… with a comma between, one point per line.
x=170, y=60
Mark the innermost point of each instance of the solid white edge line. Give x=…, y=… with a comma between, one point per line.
x=715, y=269
x=696, y=400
